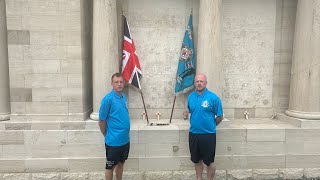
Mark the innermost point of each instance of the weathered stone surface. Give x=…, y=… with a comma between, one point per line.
x=234, y=174
x=163, y=164
x=82, y=150
x=265, y=161
x=291, y=173
x=265, y=174
x=46, y=165
x=72, y=125
x=233, y=135
x=303, y=160
x=86, y=164
x=17, y=176
x=96, y=176
x=171, y=136
x=130, y=175
x=17, y=126
x=45, y=176
x=20, y=66
x=48, y=52
x=18, y=37
x=265, y=134
x=11, y=137
x=158, y=175
x=21, y=94
x=184, y=175
x=247, y=69
x=221, y=175
x=47, y=108
x=11, y=166
x=46, y=80
x=74, y=176
x=44, y=37
x=243, y=174
x=47, y=66
x=14, y=151
x=312, y=173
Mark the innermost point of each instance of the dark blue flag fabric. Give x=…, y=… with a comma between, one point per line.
x=186, y=65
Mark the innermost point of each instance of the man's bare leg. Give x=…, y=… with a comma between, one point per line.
x=109, y=174
x=211, y=170
x=119, y=171
x=199, y=169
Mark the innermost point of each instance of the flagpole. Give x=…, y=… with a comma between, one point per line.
x=144, y=106
x=174, y=101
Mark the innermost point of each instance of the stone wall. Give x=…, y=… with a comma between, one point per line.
x=51, y=68
x=252, y=54
x=49, y=59
x=248, y=56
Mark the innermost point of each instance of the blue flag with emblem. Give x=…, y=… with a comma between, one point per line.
x=186, y=65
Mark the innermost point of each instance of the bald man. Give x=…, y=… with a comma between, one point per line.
x=206, y=112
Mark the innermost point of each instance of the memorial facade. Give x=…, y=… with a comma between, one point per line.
x=261, y=57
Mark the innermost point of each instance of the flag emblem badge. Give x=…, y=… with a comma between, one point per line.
x=186, y=53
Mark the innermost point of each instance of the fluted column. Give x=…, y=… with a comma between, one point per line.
x=105, y=54
x=305, y=72
x=209, y=59
x=4, y=67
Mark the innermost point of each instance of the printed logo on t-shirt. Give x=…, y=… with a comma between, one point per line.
x=205, y=104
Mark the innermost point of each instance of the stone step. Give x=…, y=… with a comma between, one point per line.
x=157, y=141
x=160, y=148
x=181, y=163
x=241, y=144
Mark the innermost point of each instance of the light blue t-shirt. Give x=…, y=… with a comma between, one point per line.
x=114, y=111
x=204, y=108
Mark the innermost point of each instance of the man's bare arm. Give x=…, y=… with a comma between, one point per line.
x=102, y=126
x=218, y=120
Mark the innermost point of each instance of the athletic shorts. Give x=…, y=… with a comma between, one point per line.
x=202, y=147
x=116, y=154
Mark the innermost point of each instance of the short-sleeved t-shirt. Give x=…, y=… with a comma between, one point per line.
x=114, y=111
x=204, y=108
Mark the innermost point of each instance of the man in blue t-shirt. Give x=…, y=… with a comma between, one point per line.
x=114, y=123
x=206, y=112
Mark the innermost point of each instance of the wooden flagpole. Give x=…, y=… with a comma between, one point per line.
x=144, y=106
x=174, y=101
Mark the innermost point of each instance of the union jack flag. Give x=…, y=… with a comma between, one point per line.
x=131, y=70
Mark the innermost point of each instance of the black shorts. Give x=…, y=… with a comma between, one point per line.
x=202, y=147
x=116, y=154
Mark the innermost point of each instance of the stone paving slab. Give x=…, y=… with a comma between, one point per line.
x=232, y=174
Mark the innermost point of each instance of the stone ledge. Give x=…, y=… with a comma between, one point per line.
x=301, y=123
x=32, y=122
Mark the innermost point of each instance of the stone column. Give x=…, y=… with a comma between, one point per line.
x=4, y=66
x=209, y=59
x=105, y=54
x=305, y=72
